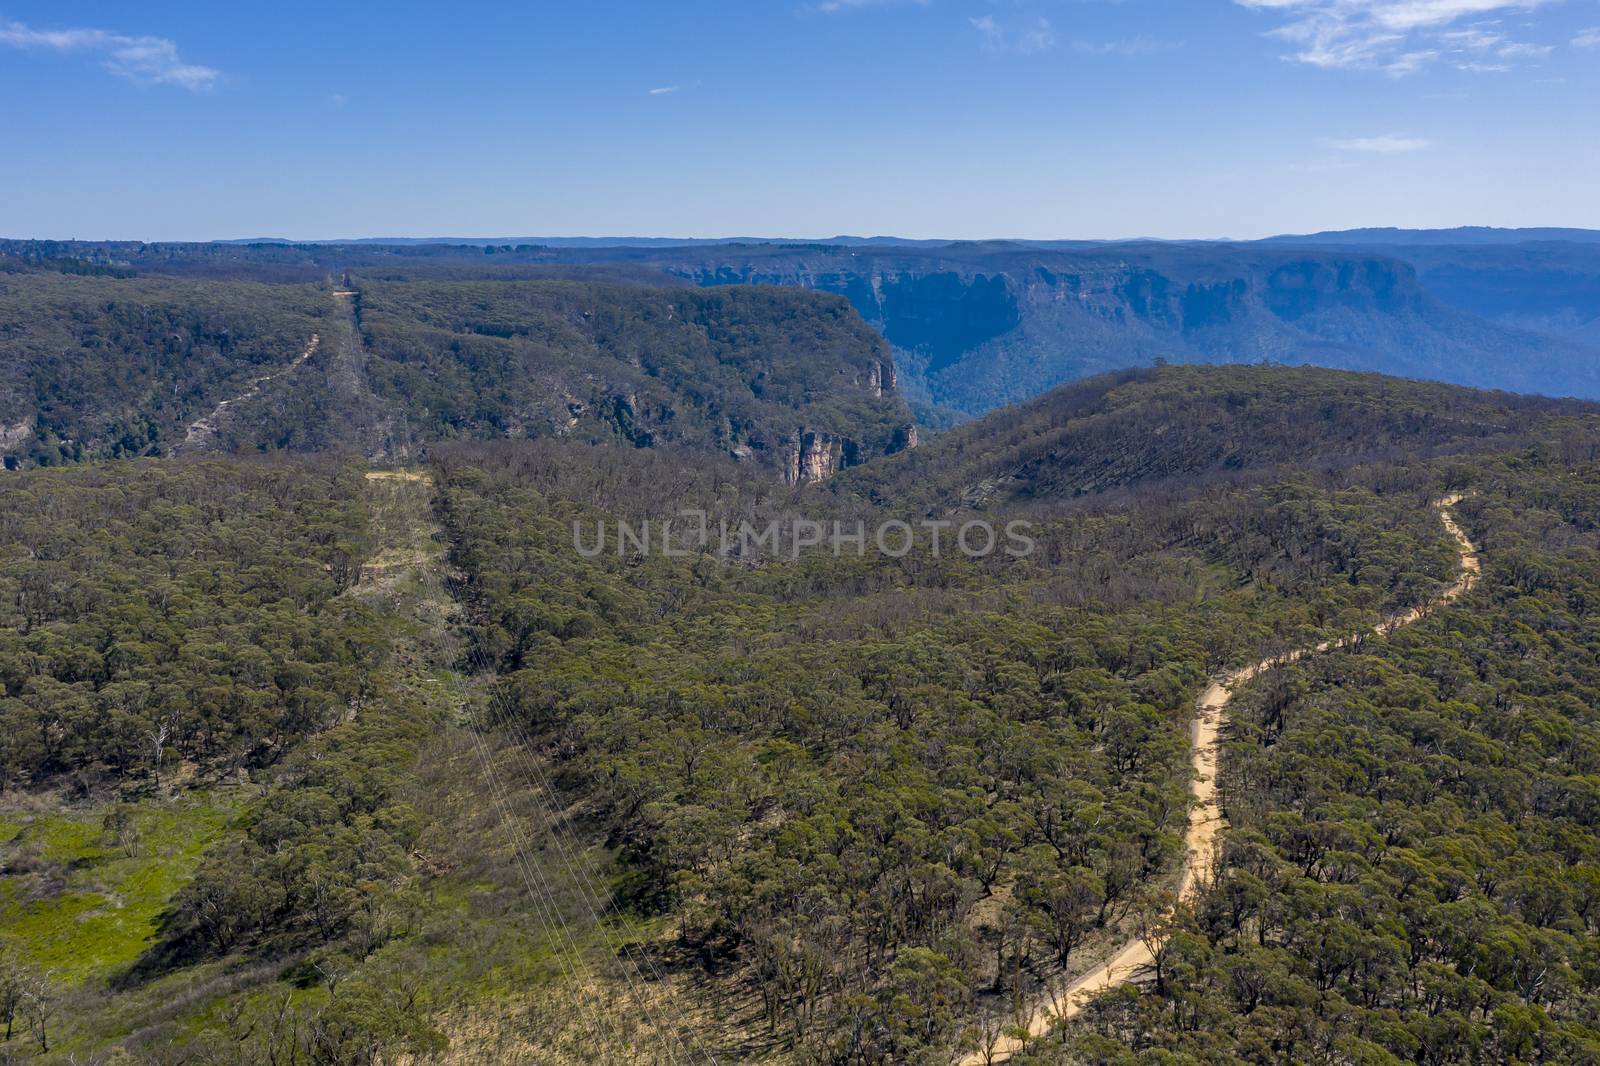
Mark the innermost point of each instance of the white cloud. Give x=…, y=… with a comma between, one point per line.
x=1031, y=39
x=663, y=90
x=1388, y=144
x=1397, y=37
x=144, y=60
x=1589, y=38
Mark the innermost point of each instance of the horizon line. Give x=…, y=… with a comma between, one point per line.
x=840, y=238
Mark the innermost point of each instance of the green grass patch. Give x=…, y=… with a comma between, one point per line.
x=86, y=899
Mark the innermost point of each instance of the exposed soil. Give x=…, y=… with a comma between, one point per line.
x=1133, y=960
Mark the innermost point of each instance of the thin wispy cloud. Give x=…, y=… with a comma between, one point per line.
x=851, y=5
x=1480, y=38
x=1589, y=38
x=989, y=30
x=1388, y=144
x=1029, y=39
x=144, y=60
x=1522, y=50
x=663, y=90
x=1132, y=46
x=1484, y=48
x=1399, y=37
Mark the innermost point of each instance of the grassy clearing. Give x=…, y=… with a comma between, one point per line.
x=83, y=894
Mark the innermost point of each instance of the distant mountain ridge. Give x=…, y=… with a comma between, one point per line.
x=978, y=324
x=590, y=242
x=1461, y=235
x=1361, y=237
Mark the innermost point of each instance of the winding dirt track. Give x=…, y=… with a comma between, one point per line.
x=1203, y=837
x=201, y=431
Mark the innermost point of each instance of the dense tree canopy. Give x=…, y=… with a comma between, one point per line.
x=156, y=613
x=100, y=367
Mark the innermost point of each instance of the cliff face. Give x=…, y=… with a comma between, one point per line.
x=1550, y=287
x=782, y=378
x=976, y=326
x=882, y=379
x=810, y=455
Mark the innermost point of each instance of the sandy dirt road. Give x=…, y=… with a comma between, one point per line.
x=1203, y=837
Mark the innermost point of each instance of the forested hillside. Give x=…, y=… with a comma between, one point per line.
x=244, y=821
x=1183, y=427
x=98, y=367
x=197, y=735
x=151, y=613
x=310, y=762
x=793, y=381
x=103, y=367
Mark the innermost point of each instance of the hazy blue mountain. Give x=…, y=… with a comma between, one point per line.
x=1461, y=235
x=982, y=324
x=1376, y=236
x=595, y=242
x=1546, y=280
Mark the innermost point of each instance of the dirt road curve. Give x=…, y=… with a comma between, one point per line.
x=1203, y=837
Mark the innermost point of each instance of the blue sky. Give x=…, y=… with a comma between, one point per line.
x=950, y=118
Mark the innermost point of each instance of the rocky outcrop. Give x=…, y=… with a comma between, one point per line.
x=16, y=435
x=13, y=438
x=811, y=456
x=820, y=457
x=881, y=379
